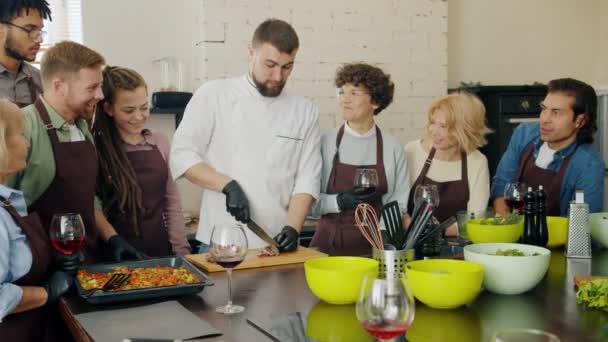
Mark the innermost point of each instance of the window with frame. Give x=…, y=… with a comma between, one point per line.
x=66, y=24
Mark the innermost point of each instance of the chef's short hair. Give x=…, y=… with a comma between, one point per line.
x=67, y=58
x=277, y=33
x=10, y=9
x=379, y=85
x=465, y=119
x=8, y=112
x=585, y=102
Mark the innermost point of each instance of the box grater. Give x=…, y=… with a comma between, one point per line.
x=579, y=238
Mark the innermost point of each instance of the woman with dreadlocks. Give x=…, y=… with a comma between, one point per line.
x=139, y=197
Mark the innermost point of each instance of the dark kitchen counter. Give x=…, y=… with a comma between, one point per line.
x=281, y=290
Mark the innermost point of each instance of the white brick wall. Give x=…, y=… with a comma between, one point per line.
x=407, y=38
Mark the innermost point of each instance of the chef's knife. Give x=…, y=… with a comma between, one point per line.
x=261, y=233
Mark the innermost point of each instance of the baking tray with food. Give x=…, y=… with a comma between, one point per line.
x=150, y=278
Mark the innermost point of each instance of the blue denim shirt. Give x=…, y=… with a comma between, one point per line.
x=15, y=252
x=584, y=172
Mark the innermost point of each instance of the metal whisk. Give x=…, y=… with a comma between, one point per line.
x=366, y=220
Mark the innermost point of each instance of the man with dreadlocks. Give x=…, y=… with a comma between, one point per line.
x=20, y=36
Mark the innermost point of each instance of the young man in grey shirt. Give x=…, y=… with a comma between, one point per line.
x=21, y=34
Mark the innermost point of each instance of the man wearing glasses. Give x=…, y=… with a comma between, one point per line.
x=21, y=34
x=556, y=152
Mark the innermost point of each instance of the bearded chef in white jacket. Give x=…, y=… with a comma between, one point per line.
x=254, y=148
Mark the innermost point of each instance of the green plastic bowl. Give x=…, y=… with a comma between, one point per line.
x=337, y=280
x=445, y=283
x=484, y=233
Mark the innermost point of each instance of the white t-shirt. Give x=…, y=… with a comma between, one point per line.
x=270, y=146
x=446, y=171
x=545, y=156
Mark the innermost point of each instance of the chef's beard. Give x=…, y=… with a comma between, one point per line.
x=264, y=90
x=10, y=51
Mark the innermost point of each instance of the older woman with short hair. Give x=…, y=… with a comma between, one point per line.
x=363, y=92
x=28, y=286
x=449, y=157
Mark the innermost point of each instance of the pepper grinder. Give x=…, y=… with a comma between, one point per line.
x=579, y=238
x=530, y=234
x=542, y=230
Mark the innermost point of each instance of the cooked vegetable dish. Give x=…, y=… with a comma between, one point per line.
x=141, y=278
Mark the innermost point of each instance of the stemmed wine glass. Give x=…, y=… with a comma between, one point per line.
x=426, y=194
x=228, y=248
x=514, y=195
x=366, y=181
x=384, y=307
x=67, y=232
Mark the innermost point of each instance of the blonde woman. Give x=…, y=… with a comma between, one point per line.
x=449, y=157
x=28, y=284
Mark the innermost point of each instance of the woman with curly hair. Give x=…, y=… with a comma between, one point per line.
x=363, y=92
x=139, y=197
x=449, y=157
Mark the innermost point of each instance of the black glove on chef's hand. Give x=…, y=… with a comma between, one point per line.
x=237, y=203
x=350, y=200
x=287, y=239
x=56, y=285
x=122, y=250
x=69, y=263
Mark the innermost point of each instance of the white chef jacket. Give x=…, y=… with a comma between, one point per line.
x=270, y=146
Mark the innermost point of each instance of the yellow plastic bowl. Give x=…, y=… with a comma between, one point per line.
x=482, y=233
x=337, y=280
x=445, y=283
x=558, y=231
x=335, y=323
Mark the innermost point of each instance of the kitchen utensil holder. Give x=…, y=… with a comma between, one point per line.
x=393, y=261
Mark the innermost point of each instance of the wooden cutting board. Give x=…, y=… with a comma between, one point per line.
x=578, y=281
x=252, y=260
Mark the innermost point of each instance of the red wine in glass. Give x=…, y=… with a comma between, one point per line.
x=228, y=247
x=229, y=262
x=385, y=330
x=365, y=190
x=67, y=232
x=67, y=246
x=516, y=204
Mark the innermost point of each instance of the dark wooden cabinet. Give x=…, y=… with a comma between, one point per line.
x=506, y=108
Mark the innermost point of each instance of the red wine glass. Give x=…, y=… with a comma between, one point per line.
x=228, y=248
x=366, y=180
x=384, y=307
x=514, y=196
x=67, y=232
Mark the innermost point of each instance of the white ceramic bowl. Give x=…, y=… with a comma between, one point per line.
x=509, y=274
x=598, y=224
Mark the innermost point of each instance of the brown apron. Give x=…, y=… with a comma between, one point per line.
x=551, y=181
x=73, y=188
x=337, y=234
x=152, y=237
x=453, y=195
x=36, y=324
x=34, y=92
